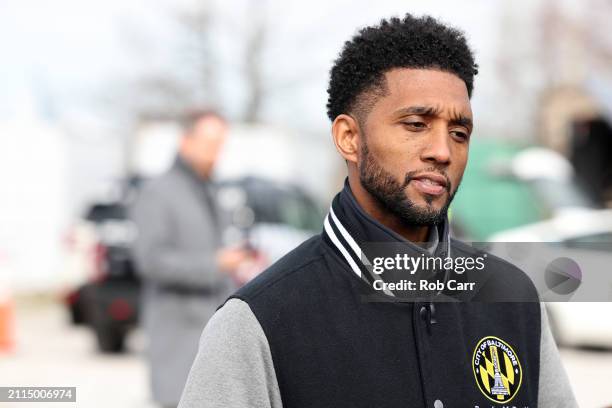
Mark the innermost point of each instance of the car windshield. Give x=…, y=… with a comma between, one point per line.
x=279, y=206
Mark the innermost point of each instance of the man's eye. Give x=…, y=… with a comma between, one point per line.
x=460, y=135
x=415, y=125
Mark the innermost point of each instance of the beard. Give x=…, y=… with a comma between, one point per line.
x=391, y=194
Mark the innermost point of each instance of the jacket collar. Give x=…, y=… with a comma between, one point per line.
x=181, y=165
x=348, y=229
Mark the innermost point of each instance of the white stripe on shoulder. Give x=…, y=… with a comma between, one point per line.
x=356, y=249
x=339, y=245
x=354, y=246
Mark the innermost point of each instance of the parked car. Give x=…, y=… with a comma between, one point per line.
x=81, y=258
x=108, y=301
x=269, y=217
x=257, y=206
x=519, y=200
x=104, y=294
x=586, y=237
x=508, y=186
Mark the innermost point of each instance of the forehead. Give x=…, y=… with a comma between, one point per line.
x=209, y=124
x=425, y=87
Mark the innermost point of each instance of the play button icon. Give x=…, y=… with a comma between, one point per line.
x=563, y=276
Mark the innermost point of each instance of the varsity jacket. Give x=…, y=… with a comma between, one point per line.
x=312, y=331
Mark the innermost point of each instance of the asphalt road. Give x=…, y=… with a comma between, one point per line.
x=590, y=373
x=51, y=352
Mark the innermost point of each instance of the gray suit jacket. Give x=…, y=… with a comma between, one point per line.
x=179, y=232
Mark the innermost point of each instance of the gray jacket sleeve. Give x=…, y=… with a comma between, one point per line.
x=157, y=257
x=555, y=390
x=233, y=367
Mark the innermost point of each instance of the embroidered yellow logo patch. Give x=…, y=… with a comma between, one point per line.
x=497, y=369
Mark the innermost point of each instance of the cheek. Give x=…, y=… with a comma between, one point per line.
x=458, y=164
x=394, y=152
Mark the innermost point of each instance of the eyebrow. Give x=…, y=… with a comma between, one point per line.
x=419, y=110
x=462, y=120
x=457, y=119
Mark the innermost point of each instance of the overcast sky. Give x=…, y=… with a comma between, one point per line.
x=60, y=56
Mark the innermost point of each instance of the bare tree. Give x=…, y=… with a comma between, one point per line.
x=198, y=58
x=255, y=43
x=197, y=70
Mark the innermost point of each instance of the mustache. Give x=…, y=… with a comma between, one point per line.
x=415, y=173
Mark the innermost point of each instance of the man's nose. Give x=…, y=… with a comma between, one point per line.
x=437, y=149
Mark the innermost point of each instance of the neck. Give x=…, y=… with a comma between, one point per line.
x=375, y=210
x=198, y=171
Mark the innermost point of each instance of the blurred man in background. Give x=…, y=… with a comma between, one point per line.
x=178, y=254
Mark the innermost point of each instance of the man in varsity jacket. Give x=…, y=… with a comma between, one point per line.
x=320, y=329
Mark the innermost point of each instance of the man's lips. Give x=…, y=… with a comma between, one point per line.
x=430, y=183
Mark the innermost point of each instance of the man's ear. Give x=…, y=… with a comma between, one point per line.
x=347, y=137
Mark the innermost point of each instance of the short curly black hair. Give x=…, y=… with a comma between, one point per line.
x=357, y=77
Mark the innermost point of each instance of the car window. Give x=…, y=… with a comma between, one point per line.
x=101, y=212
x=298, y=211
x=278, y=204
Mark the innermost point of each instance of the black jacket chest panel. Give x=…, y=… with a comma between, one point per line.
x=332, y=349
